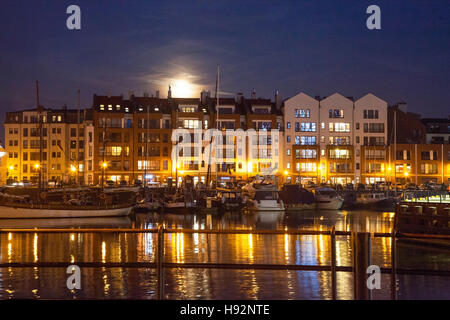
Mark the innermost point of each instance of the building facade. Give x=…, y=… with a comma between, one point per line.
x=45, y=145
x=334, y=139
x=157, y=140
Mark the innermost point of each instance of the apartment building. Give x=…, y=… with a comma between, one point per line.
x=419, y=163
x=3, y=165
x=331, y=139
x=60, y=157
x=437, y=130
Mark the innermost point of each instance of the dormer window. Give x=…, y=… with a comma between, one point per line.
x=187, y=109
x=118, y=107
x=127, y=109
x=141, y=109
x=261, y=110
x=156, y=109
x=102, y=107
x=109, y=107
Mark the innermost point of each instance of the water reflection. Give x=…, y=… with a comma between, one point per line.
x=181, y=283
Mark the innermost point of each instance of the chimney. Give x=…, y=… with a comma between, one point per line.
x=157, y=94
x=253, y=94
x=278, y=101
x=130, y=94
x=402, y=106
x=205, y=95
x=317, y=98
x=145, y=94
x=169, y=93
x=239, y=97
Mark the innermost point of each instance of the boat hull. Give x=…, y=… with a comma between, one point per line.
x=267, y=205
x=34, y=213
x=329, y=204
x=300, y=206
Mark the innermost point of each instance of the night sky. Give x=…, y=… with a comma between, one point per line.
x=319, y=47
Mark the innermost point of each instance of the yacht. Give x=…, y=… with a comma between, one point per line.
x=297, y=198
x=328, y=199
x=266, y=198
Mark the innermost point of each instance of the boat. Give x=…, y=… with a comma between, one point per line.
x=423, y=223
x=230, y=199
x=376, y=200
x=328, y=199
x=266, y=198
x=297, y=198
x=178, y=203
x=147, y=202
x=29, y=203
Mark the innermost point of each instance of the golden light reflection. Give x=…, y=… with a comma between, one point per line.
x=9, y=236
x=286, y=247
x=178, y=246
x=35, y=247
x=103, y=252
x=9, y=252
x=250, y=247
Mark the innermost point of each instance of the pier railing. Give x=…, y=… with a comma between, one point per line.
x=361, y=246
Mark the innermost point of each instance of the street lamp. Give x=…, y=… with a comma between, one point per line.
x=104, y=166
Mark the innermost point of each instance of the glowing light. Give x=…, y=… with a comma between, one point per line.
x=104, y=164
x=406, y=174
x=181, y=172
x=36, y=165
x=35, y=247
x=103, y=252
x=181, y=88
x=11, y=168
x=250, y=167
x=286, y=172
x=72, y=168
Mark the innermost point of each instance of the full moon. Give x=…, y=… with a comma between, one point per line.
x=182, y=89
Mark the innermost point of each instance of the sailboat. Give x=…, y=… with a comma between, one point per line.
x=62, y=203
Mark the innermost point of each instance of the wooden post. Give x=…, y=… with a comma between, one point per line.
x=394, y=266
x=160, y=261
x=361, y=261
x=333, y=264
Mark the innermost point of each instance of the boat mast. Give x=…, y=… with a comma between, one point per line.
x=146, y=146
x=78, y=139
x=217, y=111
x=39, y=110
x=395, y=151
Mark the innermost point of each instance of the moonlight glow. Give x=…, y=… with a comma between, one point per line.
x=183, y=89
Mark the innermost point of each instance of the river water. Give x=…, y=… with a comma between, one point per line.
x=183, y=283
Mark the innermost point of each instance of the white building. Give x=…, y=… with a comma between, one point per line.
x=324, y=139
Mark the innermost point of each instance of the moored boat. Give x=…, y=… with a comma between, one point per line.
x=376, y=200
x=296, y=198
x=78, y=203
x=266, y=198
x=328, y=199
